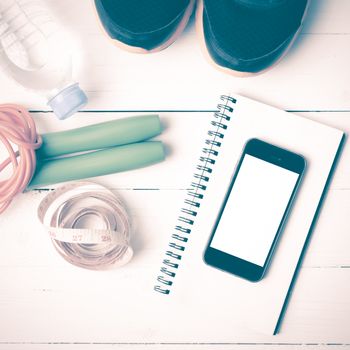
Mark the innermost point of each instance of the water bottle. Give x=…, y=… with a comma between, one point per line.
x=35, y=53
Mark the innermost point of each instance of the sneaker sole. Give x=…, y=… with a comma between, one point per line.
x=135, y=49
x=236, y=73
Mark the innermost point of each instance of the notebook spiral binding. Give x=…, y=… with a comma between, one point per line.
x=195, y=195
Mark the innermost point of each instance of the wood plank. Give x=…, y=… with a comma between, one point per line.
x=43, y=299
x=68, y=305
x=114, y=79
x=324, y=17
x=183, y=147
x=164, y=346
x=27, y=245
x=320, y=299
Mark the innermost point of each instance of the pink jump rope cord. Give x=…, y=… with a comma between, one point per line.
x=17, y=128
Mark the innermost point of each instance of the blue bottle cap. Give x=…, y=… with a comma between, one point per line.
x=68, y=101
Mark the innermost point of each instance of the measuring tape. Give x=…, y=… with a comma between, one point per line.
x=64, y=211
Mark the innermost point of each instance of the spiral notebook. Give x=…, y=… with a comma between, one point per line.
x=200, y=291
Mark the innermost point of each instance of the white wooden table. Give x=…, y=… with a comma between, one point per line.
x=38, y=289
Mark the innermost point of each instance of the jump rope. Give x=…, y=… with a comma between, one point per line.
x=17, y=128
x=94, y=150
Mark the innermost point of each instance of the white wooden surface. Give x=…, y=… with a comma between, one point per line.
x=37, y=286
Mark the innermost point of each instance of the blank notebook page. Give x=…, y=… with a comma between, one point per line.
x=204, y=293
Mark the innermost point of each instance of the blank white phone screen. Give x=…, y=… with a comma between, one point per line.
x=254, y=210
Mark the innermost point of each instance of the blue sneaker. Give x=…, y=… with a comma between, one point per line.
x=144, y=25
x=247, y=37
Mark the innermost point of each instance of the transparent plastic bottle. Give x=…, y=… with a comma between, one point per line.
x=36, y=54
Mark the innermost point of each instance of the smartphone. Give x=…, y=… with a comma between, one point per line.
x=255, y=210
